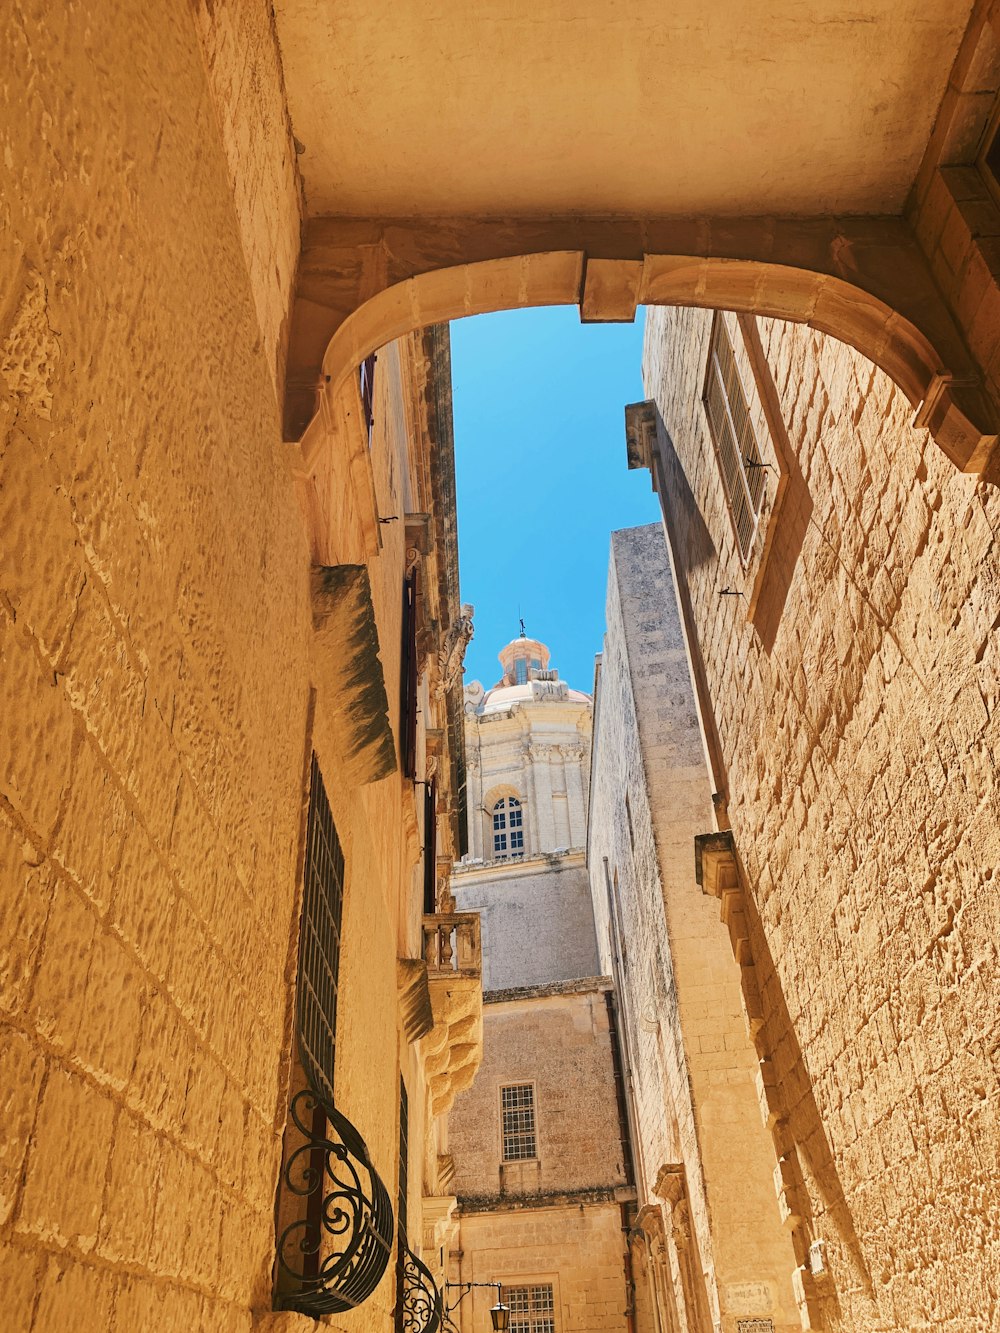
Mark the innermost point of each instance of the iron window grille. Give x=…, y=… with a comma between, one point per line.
x=334, y=1250
x=508, y=830
x=319, y=944
x=419, y=1304
x=743, y=471
x=517, y=1122
x=532, y=1308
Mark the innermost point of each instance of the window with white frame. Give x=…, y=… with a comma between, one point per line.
x=508, y=830
x=532, y=1308
x=744, y=473
x=517, y=1122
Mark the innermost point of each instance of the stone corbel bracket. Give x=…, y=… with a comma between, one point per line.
x=413, y=990
x=717, y=872
x=640, y=435
x=418, y=538
x=347, y=672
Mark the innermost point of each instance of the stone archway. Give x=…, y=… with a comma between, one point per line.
x=865, y=281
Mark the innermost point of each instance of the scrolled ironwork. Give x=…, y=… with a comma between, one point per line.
x=332, y=1258
x=420, y=1302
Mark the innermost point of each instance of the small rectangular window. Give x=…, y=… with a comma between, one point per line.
x=517, y=1113
x=744, y=473
x=532, y=1309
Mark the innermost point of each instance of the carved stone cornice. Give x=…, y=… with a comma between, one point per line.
x=640, y=433
x=670, y=1184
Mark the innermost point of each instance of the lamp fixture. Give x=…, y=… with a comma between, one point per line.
x=499, y=1313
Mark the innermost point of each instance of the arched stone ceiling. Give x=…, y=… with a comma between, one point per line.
x=670, y=107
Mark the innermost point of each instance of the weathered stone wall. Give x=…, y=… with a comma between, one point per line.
x=537, y=919
x=155, y=633
x=853, y=719
x=558, y=1041
x=247, y=88
x=691, y=1066
x=579, y=1251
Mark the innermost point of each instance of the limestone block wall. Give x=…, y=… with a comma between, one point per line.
x=852, y=719
x=155, y=627
x=555, y=1037
x=246, y=83
x=537, y=919
x=578, y=1251
x=691, y=1063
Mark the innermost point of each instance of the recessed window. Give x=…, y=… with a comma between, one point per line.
x=517, y=1122
x=744, y=473
x=520, y=671
x=508, y=829
x=532, y=1309
x=366, y=377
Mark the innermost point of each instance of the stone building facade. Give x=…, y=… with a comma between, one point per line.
x=198, y=747
x=211, y=213
x=842, y=624
x=542, y=1161
x=709, y=1241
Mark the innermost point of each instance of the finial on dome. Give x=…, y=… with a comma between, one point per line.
x=524, y=632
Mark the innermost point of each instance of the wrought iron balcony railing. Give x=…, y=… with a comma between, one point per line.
x=333, y=1257
x=420, y=1305
x=452, y=944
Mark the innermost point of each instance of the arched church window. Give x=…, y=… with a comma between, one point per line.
x=508, y=829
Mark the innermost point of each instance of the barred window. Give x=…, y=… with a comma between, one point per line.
x=508, y=829
x=517, y=1116
x=744, y=474
x=532, y=1309
x=319, y=946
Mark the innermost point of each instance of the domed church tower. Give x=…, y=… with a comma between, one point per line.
x=528, y=754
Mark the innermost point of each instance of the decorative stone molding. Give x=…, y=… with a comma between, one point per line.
x=453, y=1048
x=670, y=1184
x=640, y=434
x=451, y=659
x=440, y=1222
x=717, y=872
x=347, y=672
x=417, y=538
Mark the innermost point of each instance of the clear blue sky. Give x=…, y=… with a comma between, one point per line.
x=542, y=478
